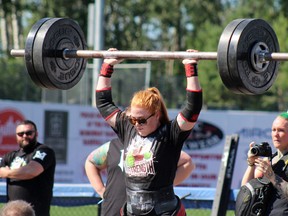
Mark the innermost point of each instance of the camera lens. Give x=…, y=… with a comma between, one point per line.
x=254, y=151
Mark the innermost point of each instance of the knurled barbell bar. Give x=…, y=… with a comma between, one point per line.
x=247, y=55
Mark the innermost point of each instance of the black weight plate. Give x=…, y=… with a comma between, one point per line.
x=29, y=52
x=39, y=54
x=237, y=82
x=222, y=56
x=244, y=38
x=53, y=37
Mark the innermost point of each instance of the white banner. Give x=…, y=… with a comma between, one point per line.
x=74, y=131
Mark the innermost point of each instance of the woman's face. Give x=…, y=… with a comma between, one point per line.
x=144, y=121
x=279, y=134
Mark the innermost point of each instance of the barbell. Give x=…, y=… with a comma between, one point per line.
x=247, y=55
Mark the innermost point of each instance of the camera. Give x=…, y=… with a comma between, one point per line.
x=262, y=149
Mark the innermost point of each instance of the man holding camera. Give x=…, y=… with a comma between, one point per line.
x=273, y=167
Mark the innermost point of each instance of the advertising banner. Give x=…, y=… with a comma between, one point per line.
x=74, y=131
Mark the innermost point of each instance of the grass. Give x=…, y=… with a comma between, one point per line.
x=89, y=210
x=92, y=210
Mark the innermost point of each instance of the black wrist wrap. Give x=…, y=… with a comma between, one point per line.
x=193, y=105
x=105, y=104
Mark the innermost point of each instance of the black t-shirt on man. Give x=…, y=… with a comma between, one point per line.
x=39, y=190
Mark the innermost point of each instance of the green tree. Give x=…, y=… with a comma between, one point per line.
x=15, y=84
x=158, y=25
x=19, y=16
x=219, y=97
x=280, y=87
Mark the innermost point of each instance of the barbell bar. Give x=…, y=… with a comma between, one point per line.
x=142, y=55
x=150, y=55
x=248, y=55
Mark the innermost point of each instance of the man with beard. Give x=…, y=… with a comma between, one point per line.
x=30, y=170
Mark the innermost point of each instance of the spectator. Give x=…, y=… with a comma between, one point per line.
x=30, y=170
x=269, y=168
x=17, y=208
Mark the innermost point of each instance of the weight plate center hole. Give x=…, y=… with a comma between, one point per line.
x=258, y=61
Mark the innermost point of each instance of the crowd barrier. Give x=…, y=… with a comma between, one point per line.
x=84, y=194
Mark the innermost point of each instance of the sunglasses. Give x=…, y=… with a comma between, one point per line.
x=28, y=133
x=140, y=121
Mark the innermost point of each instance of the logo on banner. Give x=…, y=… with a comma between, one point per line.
x=9, y=118
x=204, y=135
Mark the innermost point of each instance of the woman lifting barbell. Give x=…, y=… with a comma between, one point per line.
x=152, y=142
